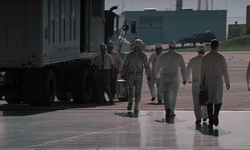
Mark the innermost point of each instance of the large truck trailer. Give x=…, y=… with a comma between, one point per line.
x=47, y=48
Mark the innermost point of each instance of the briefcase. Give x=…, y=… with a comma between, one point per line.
x=122, y=90
x=202, y=98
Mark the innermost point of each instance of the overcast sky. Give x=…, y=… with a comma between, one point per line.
x=236, y=9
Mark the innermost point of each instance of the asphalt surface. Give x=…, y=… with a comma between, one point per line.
x=119, y=130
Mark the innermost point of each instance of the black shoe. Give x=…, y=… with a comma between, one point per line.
x=136, y=111
x=216, y=121
x=210, y=125
x=168, y=111
x=160, y=102
x=152, y=99
x=112, y=102
x=197, y=121
x=129, y=106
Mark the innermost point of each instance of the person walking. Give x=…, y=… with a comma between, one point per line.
x=117, y=66
x=152, y=62
x=132, y=71
x=194, y=65
x=167, y=69
x=213, y=68
x=248, y=76
x=105, y=66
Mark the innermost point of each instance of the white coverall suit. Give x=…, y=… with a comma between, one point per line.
x=152, y=61
x=132, y=70
x=195, y=65
x=168, y=67
x=248, y=76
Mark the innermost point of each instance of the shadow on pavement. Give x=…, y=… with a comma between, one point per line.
x=169, y=120
x=132, y=114
x=206, y=130
x=26, y=109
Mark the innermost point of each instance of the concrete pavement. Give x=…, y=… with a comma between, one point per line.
x=80, y=128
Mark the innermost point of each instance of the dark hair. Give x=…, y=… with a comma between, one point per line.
x=214, y=43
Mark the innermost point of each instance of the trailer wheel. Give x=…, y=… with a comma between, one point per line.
x=49, y=90
x=43, y=90
x=31, y=88
x=63, y=95
x=82, y=88
x=1, y=95
x=11, y=96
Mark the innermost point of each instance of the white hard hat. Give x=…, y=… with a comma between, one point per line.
x=158, y=45
x=201, y=48
x=103, y=46
x=138, y=43
x=172, y=43
x=111, y=44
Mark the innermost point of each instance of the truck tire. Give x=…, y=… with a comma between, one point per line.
x=26, y=82
x=1, y=95
x=62, y=95
x=31, y=86
x=11, y=96
x=43, y=91
x=49, y=90
x=82, y=88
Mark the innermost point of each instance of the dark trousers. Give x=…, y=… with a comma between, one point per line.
x=113, y=81
x=103, y=85
x=213, y=111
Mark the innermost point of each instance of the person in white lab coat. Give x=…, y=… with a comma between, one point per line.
x=248, y=76
x=117, y=66
x=213, y=69
x=152, y=62
x=132, y=71
x=194, y=65
x=105, y=69
x=167, y=69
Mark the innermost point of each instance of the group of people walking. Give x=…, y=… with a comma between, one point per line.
x=108, y=65
x=162, y=68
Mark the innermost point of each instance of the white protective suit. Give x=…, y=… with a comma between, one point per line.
x=168, y=68
x=152, y=61
x=132, y=70
x=194, y=65
x=213, y=67
x=248, y=76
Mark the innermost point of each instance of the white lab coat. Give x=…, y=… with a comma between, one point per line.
x=213, y=68
x=107, y=63
x=132, y=70
x=168, y=67
x=194, y=65
x=248, y=76
x=152, y=62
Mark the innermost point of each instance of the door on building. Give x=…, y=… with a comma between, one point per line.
x=151, y=35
